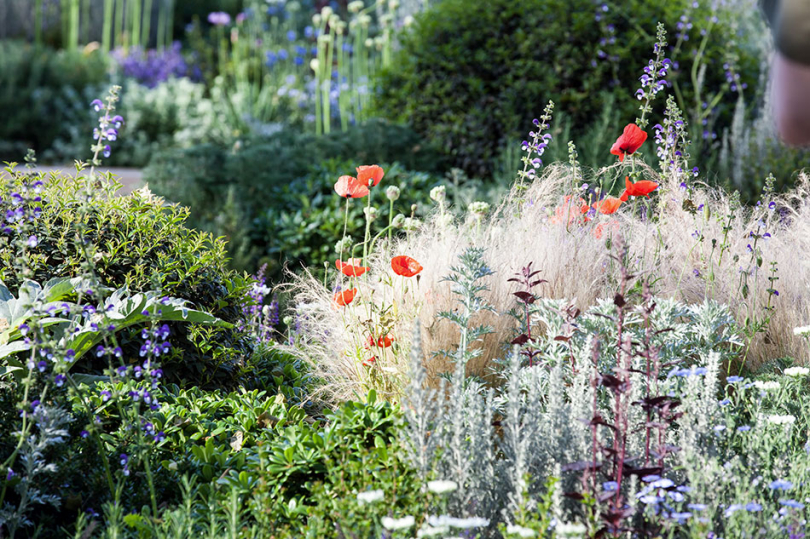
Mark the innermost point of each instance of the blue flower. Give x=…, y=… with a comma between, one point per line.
x=734, y=379
x=792, y=503
x=781, y=484
x=291, y=35
x=610, y=486
x=753, y=507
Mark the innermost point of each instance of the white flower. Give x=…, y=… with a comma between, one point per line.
x=520, y=531
x=797, y=371
x=570, y=530
x=370, y=496
x=780, y=419
x=398, y=523
x=766, y=385
x=260, y=289
x=461, y=523
x=355, y=6
x=430, y=532
x=802, y=331
x=314, y=64
x=442, y=487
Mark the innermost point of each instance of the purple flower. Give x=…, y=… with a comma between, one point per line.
x=97, y=104
x=753, y=507
x=84, y=434
x=10, y=474
x=734, y=379
x=32, y=241
x=219, y=18
x=105, y=396
x=59, y=380
x=792, y=503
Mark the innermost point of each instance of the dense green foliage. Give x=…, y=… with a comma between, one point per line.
x=470, y=76
x=274, y=200
x=143, y=245
x=31, y=81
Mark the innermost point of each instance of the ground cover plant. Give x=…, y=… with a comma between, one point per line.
x=609, y=352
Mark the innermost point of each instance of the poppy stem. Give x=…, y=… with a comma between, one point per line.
x=345, y=226
x=390, y=220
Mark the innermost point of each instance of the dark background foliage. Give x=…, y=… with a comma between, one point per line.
x=470, y=76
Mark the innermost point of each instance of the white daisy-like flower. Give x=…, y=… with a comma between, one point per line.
x=398, y=523
x=442, y=487
x=780, y=419
x=766, y=385
x=520, y=531
x=370, y=496
x=797, y=371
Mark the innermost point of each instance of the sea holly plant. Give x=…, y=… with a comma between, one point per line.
x=466, y=280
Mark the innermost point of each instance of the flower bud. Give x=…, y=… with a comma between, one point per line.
x=438, y=194
x=411, y=224
x=326, y=12
x=343, y=245
x=407, y=21
x=314, y=64
x=478, y=209
x=288, y=320
x=316, y=19
x=355, y=6
x=393, y=4
x=398, y=221
x=371, y=212
x=392, y=192
x=369, y=43
x=413, y=208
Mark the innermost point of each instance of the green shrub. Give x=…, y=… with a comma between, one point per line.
x=31, y=80
x=471, y=75
x=142, y=244
x=273, y=195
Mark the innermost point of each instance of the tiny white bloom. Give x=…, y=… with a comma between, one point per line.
x=438, y=193
x=802, y=331
x=797, y=371
x=398, y=523
x=780, y=419
x=430, y=532
x=370, y=496
x=442, y=487
x=766, y=385
x=570, y=530
x=460, y=523
x=520, y=531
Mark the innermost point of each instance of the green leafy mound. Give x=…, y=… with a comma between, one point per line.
x=471, y=75
x=142, y=244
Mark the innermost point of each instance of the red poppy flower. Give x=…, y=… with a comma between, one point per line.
x=351, y=268
x=381, y=342
x=570, y=210
x=638, y=189
x=370, y=361
x=608, y=205
x=405, y=266
x=351, y=187
x=366, y=173
x=345, y=297
x=611, y=227
x=630, y=141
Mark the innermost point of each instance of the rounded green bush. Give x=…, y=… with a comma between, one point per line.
x=142, y=244
x=472, y=75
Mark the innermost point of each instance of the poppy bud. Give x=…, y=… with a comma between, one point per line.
x=707, y=213
x=371, y=213
x=288, y=320
x=411, y=223
x=392, y=192
x=398, y=221
x=355, y=6
x=438, y=194
x=478, y=209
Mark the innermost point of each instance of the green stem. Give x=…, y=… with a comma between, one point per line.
x=106, y=32
x=147, y=24
x=390, y=220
